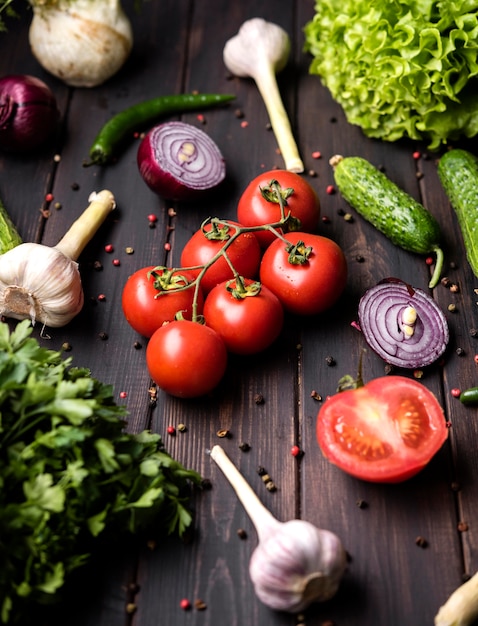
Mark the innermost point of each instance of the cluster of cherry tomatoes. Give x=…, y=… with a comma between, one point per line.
x=235, y=282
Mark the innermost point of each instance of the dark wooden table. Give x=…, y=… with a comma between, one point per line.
x=391, y=581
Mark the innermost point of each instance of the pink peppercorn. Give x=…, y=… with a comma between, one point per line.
x=152, y=218
x=109, y=248
x=116, y=262
x=171, y=430
x=295, y=451
x=429, y=260
x=167, y=246
x=185, y=604
x=330, y=189
x=49, y=197
x=316, y=154
x=244, y=124
x=475, y=358
x=455, y=392
x=416, y=155
x=123, y=394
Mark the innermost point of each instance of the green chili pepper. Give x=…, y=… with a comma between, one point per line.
x=469, y=396
x=125, y=123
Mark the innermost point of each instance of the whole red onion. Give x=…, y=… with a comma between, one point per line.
x=28, y=113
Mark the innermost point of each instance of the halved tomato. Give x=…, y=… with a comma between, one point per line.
x=385, y=431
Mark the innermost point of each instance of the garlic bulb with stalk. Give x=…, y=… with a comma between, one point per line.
x=82, y=42
x=260, y=50
x=295, y=563
x=43, y=283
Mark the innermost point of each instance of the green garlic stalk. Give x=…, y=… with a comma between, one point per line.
x=258, y=51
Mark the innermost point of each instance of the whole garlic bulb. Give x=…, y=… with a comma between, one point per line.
x=43, y=283
x=295, y=563
x=82, y=42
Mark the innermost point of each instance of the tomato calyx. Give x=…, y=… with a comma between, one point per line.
x=220, y=229
x=299, y=253
x=240, y=290
x=348, y=382
x=274, y=192
x=167, y=279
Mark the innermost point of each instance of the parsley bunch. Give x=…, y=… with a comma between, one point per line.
x=69, y=473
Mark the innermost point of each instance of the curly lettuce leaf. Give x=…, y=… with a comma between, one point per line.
x=400, y=68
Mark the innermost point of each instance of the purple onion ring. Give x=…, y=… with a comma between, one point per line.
x=178, y=160
x=381, y=317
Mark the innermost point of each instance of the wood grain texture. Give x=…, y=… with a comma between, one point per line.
x=391, y=581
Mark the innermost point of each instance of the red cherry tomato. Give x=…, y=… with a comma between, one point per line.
x=305, y=288
x=249, y=318
x=147, y=307
x=244, y=253
x=302, y=202
x=385, y=431
x=186, y=359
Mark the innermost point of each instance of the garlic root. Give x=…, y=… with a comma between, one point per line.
x=294, y=563
x=260, y=50
x=43, y=283
x=461, y=608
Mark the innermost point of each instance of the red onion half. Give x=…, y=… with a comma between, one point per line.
x=386, y=316
x=28, y=113
x=177, y=161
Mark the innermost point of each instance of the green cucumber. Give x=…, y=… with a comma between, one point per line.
x=458, y=173
x=392, y=211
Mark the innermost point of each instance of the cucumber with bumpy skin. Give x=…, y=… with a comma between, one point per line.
x=458, y=173
x=392, y=211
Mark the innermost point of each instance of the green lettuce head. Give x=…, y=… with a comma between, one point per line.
x=400, y=68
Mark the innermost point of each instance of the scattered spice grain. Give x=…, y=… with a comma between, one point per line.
x=223, y=432
x=244, y=446
x=241, y=533
x=462, y=527
x=259, y=398
x=200, y=605
x=421, y=542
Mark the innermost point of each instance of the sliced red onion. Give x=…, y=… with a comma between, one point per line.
x=386, y=315
x=177, y=161
x=28, y=113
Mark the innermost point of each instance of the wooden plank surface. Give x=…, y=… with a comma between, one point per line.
x=390, y=579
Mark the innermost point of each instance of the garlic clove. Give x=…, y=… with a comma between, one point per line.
x=82, y=43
